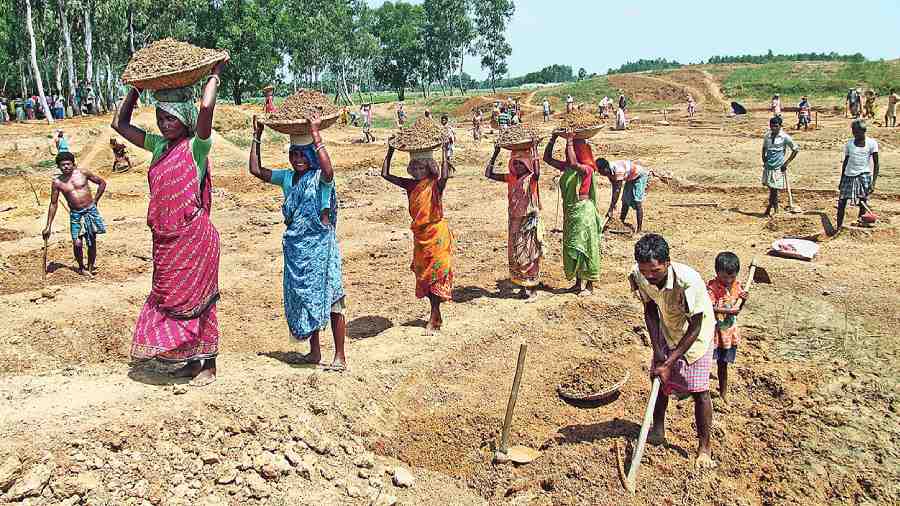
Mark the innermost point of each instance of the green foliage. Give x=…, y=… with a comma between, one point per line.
x=491, y=19
x=550, y=74
x=796, y=79
x=644, y=65
x=400, y=27
x=770, y=57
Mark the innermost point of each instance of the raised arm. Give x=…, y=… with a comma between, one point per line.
x=97, y=180
x=121, y=122
x=402, y=182
x=255, y=163
x=571, y=159
x=208, y=102
x=489, y=170
x=444, y=170
x=51, y=211
x=324, y=160
x=548, y=154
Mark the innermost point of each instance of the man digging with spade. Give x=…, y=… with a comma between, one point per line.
x=681, y=323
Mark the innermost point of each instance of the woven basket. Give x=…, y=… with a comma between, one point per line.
x=416, y=149
x=584, y=133
x=179, y=79
x=595, y=399
x=299, y=126
x=522, y=145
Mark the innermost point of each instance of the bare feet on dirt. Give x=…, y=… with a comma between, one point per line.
x=704, y=461
x=657, y=436
x=189, y=370
x=205, y=377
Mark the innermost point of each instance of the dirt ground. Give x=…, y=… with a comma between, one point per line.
x=813, y=414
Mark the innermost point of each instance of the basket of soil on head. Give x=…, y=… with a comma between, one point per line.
x=518, y=137
x=423, y=135
x=168, y=63
x=291, y=116
x=582, y=123
x=593, y=383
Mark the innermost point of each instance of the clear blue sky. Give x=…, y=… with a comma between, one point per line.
x=599, y=34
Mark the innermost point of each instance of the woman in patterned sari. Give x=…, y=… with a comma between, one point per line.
x=178, y=321
x=432, y=241
x=582, y=229
x=525, y=245
x=313, y=290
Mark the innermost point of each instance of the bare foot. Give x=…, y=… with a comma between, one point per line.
x=433, y=328
x=585, y=293
x=704, y=461
x=337, y=365
x=189, y=370
x=84, y=272
x=205, y=377
x=309, y=358
x=532, y=295
x=657, y=436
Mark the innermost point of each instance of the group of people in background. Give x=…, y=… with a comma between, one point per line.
x=30, y=108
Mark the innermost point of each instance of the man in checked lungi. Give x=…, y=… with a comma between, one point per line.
x=680, y=319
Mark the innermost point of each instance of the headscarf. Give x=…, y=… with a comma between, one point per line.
x=585, y=156
x=179, y=102
x=308, y=149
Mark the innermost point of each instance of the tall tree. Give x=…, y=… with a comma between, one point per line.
x=88, y=46
x=448, y=34
x=491, y=18
x=399, y=27
x=29, y=26
x=70, y=60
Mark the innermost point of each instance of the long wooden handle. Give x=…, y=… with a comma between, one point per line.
x=44, y=274
x=787, y=183
x=749, y=283
x=513, y=395
x=631, y=480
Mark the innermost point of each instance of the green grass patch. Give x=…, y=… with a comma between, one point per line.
x=47, y=164
x=813, y=79
x=589, y=90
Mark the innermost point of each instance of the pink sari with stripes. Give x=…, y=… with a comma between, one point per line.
x=178, y=321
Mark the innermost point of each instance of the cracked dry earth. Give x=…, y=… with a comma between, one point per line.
x=812, y=418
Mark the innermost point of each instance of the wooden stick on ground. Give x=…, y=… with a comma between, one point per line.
x=631, y=479
x=44, y=274
x=513, y=395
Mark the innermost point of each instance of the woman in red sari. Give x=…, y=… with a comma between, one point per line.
x=526, y=232
x=178, y=321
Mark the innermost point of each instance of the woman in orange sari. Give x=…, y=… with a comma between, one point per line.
x=525, y=246
x=432, y=241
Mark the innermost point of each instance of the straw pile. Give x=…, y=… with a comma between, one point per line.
x=579, y=120
x=422, y=135
x=518, y=134
x=168, y=57
x=302, y=105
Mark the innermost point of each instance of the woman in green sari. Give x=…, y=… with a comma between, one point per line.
x=581, y=218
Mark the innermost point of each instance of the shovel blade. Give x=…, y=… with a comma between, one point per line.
x=522, y=454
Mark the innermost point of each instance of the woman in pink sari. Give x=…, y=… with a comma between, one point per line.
x=178, y=321
x=526, y=232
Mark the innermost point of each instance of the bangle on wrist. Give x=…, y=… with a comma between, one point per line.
x=213, y=76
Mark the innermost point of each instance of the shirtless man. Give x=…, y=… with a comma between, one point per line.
x=84, y=218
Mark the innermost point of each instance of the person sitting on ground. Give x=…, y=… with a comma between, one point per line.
x=121, y=162
x=890, y=115
x=859, y=172
x=804, y=114
x=85, y=221
x=630, y=178
x=525, y=244
x=432, y=261
x=728, y=297
x=313, y=287
x=449, y=136
x=679, y=317
x=62, y=145
x=582, y=232
x=775, y=144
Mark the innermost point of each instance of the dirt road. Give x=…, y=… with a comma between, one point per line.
x=813, y=417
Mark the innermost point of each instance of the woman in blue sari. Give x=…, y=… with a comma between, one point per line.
x=313, y=291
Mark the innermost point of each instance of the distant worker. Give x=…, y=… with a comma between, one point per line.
x=623, y=102
x=269, y=94
x=776, y=105
x=449, y=136
x=804, y=114
x=121, y=162
x=605, y=104
x=621, y=118
x=477, y=118
x=630, y=178
x=691, y=106
x=366, y=112
x=503, y=119
x=870, y=106
x=859, y=172
x=890, y=116
x=775, y=145
x=853, y=103
x=570, y=103
x=401, y=115
x=62, y=145
x=546, y=106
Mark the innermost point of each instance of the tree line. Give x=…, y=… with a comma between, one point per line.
x=770, y=57
x=339, y=46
